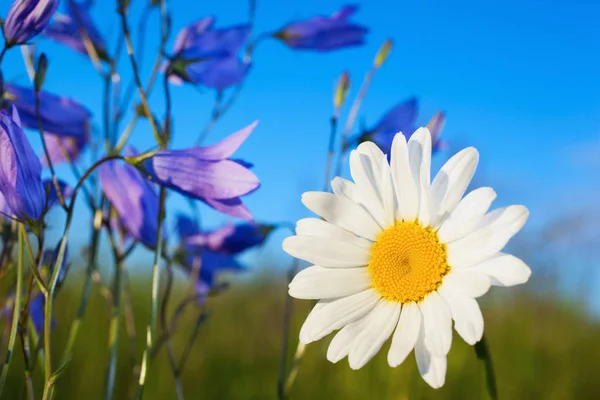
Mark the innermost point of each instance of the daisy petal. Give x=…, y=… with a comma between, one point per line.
x=467, y=215
x=329, y=315
x=468, y=282
x=431, y=368
x=342, y=341
x=342, y=212
x=406, y=334
x=387, y=193
x=437, y=323
x=468, y=320
x=381, y=324
x=322, y=228
x=500, y=226
x=505, y=270
x=326, y=252
x=419, y=154
x=344, y=188
x=406, y=191
x=325, y=283
x=366, y=178
x=449, y=185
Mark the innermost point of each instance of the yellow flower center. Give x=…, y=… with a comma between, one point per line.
x=407, y=262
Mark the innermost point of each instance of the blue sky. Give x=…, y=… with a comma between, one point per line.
x=519, y=80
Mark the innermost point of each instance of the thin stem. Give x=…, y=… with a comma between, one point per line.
x=87, y=287
x=136, y=75
x=23, y=335
x=154, y=298
x=113, y=341
x=61, y=199
x=352, y=116
x=287, y=314
x=3, y=52
x=331, y=150
x=190, y=343
x=482, y=350
x=16, y=314
x=130, y=320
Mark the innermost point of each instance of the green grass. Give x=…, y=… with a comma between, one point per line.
x=543, y=348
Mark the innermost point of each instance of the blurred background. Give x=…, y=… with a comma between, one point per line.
x=518, y=80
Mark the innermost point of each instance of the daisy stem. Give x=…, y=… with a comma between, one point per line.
x=16, y=313
x=482, y=350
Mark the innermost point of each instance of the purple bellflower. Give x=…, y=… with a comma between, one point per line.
x=232, y=239
x=68, y=28
x=20, y=170
x=26, y=19
x=36, y=312
x=207, y=56
x=59, y=115
x=133, y=197
x=207, y=174
x=62, y=148
x=324, y=33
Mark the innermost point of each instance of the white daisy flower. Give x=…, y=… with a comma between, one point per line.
x=397, y=255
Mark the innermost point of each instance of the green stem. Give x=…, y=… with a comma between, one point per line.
x=16, y=314
x=332, y=133
x=482, y=350
x=113, y=341
x=154, y=298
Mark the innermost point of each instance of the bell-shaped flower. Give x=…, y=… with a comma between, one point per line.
x=75, y=27
x=133, y=197
x=207, y=173
x=20, y=170
x=207, y=56
x=59, y=115
x=63, y=148
x=26, y=19
x=324, y=33
x=232, y=239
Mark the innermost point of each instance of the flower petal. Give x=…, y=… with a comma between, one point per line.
x=450, y=183
x=467, y=215
x=325, y=283
x=388, y=193
x=366, y=176
x=432, y=368
x=437, y=323
x=329, y=315
x=322, y=228
x=342, y=212
x=468, y=320
x=468, y=282
x=497, y=229
x=344, y=188
x=226, y=147
x=406, y=334
x=381, y=324
x=419, y=154
x=326, y=252
x=404, y=185
x=505, y=270
x=341, y=343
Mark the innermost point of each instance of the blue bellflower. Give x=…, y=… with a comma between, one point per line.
x=207, y=174
x=49, y=258
x=133, y=197
x=67, y=29
x=20, y=170
x=207, y=56
x=231, y=239
x=60, y=116
x=26, y=19
x=36, y=313
x=324, y=33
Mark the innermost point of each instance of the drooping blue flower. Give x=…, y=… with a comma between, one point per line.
x=231, y=239
x=402, y=118
x=207, y=56
x=63, y=148
x=60, y=116
x=20, y=170
x=52, y=196
x=324, y=33
x=67, y=29
x=133, y=197
x=36, y=312
x=207, y=173
x=26, y=19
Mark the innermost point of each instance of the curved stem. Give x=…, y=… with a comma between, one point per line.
x=483, y=353
x=16, y=313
